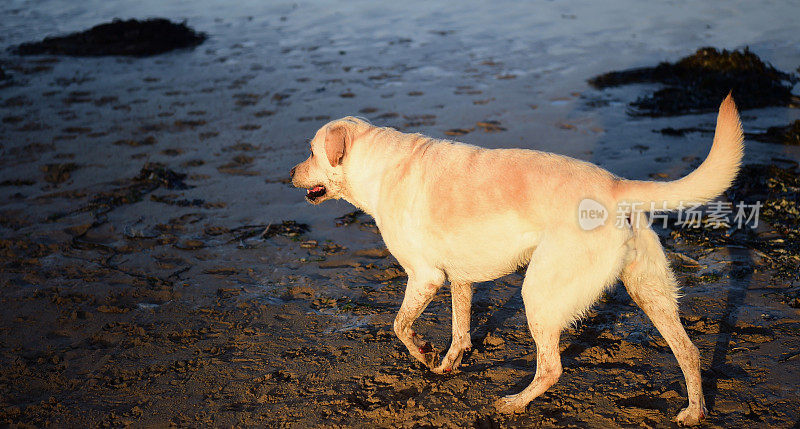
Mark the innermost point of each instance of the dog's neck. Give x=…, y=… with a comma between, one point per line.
x=371, y=160
x=364, y=169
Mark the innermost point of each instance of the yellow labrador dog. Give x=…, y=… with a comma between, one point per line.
x=454, y=212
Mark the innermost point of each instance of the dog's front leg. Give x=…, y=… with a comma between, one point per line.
x=461, y=294
x=419, y=294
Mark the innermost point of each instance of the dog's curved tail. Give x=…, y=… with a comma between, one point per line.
x=707, y=182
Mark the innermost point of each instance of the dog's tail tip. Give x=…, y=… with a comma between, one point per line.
x=708, y=181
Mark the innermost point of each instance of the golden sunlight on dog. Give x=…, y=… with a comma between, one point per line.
x=459, y=213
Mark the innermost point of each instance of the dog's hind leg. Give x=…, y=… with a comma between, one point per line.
x=548, y=366
x=652, y=286
x=560, y=284
x=419, y=292
x=461, y=294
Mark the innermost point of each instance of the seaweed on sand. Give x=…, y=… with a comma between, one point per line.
x=788, y=135
x=698, y=83
x=131, y=37
x=152, y=176
x=288, y=228
x=777, y=189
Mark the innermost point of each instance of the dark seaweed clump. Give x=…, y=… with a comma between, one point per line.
x=131, y=38
x=785, y=134
x=288, y=228
x=154, y=174
x=789, y=134
x=699, y=82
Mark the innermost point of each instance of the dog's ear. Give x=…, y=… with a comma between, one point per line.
x=336, y=140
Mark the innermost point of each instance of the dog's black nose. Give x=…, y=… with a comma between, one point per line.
x=291, y=173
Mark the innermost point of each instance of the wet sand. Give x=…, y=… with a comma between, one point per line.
x=158, y=269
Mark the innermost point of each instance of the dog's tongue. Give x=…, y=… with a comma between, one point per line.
x=315, y=189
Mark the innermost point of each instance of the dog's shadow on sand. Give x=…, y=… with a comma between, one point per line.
x=737, y=291
x=497, y=318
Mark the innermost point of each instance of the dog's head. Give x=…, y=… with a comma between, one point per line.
x=322, y=174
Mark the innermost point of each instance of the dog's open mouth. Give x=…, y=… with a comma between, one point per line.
x=315, y=193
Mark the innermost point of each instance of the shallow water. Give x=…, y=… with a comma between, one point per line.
x=408, y=58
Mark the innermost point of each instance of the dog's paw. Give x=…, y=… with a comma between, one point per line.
x=430, y=355
x=510, y=404
x=423, y=351
x=444, y=368
x=451, y=361
x=691, y=416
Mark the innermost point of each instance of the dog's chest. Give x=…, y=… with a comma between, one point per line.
x=477, y=253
